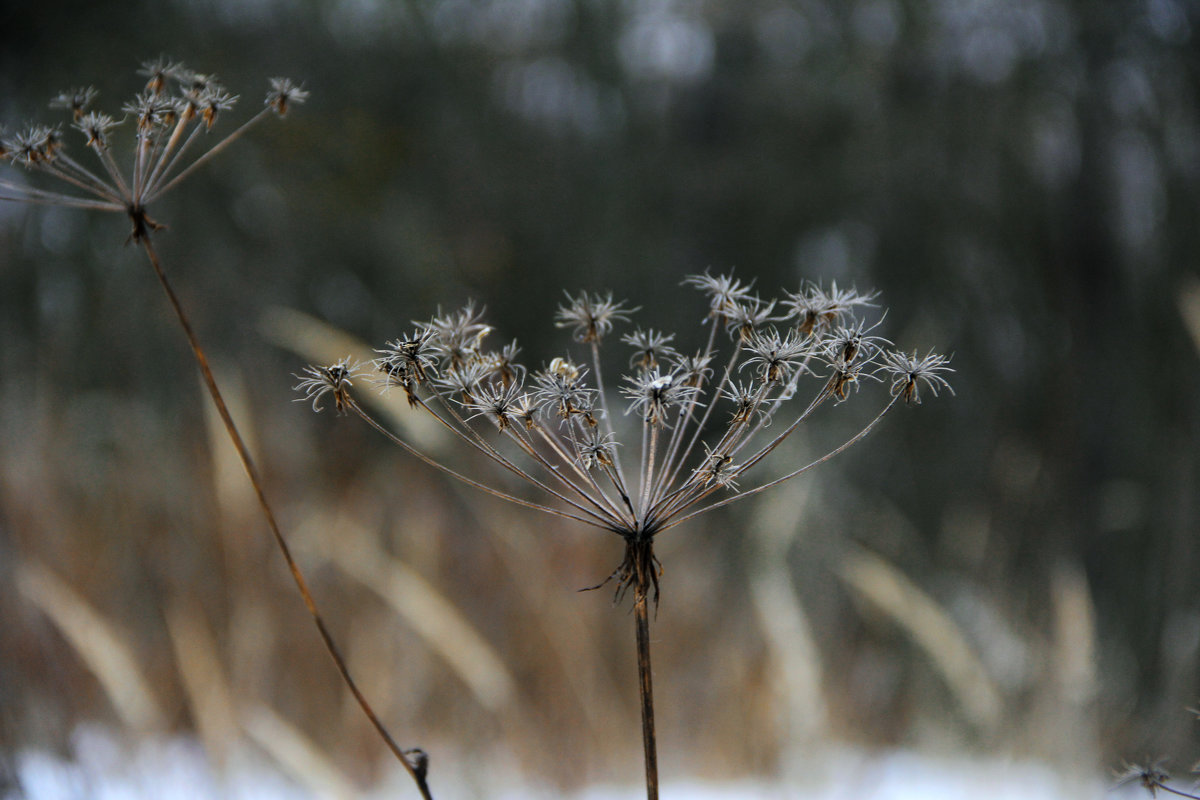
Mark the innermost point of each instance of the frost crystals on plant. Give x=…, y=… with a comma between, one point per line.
x=170, y=120
x=701, y=424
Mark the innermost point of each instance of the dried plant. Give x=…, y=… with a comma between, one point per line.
x=1152, y=777
x=172, y=120
x=704, y=423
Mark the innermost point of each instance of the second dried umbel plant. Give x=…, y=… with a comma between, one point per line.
x=702, y=425
x=162, y=136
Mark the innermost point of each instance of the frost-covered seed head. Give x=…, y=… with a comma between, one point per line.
x=591, y=316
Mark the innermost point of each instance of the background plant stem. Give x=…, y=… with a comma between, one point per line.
x=210, y=382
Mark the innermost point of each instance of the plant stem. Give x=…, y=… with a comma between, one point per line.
x=644, y=565
x=418, y=775
x=1166, y=788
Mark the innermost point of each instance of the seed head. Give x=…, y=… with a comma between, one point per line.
x=335, y=379
x=717, y=468
x=499, y=402
x=844, y=375
x=597, y=449
x=458, y=335
x=158, y=72
x=174, y=104
x=75, y=100
x=591, y=316
x=693, y=370
x=778, y=356
x=725, y=294
x=152, y=110
x=95, y=127
x=651, y=347
x=36, y=146
x=654, y=393
x=466, y=379
x=909, y=372
x=1151, y=778
x=558, y=435
x=503, y=364
x=815, y=309
x=748, y=315
x=283, y=94
x=853, y=342
x=560, y=390
x=211, y=101
x=746, y=400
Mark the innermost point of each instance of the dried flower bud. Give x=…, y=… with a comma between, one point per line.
x=75, y=100
x=651, y=348
x=653, y=394
x=909, y=372
x=777, y=356
x=725, y=294
x=591, y=316
x=336, y=379
x=283, y=94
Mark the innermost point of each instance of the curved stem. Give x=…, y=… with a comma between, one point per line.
x=670, y=467
x=618, y=471
x=769, y=484
x=472, y=437
x=153, y=192
x=353, y=405
x=418, y=774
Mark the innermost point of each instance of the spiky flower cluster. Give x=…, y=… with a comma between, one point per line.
x=705, y=419
x=170, y=118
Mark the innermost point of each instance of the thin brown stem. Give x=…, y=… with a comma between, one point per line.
x=645, y=575
x=472, y=437
x=418, y=772
x=1171, y=790
x=153, y=192
x=353, y=405
x=665, y=525
x=608, y=420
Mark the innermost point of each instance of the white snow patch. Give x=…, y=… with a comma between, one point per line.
x=104, y=767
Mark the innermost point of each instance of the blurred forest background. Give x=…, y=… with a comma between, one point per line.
x=1012, y=569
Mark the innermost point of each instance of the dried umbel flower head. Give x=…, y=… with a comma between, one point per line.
x=336, y=380
x=169, y=123
x=591, y=316
x=704, y=423
x=909, y=373
x=1150, y=776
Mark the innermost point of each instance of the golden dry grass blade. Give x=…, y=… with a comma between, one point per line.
x=797, y=674
x=931, y=628
x=574, y=649
x=1189, y=308
x=425, y=609
x=203, y=679
x=1074, y=661
x=1068, y=731
x=234, y=493
x=318, y=342
x=298, y=755
x=99, y=644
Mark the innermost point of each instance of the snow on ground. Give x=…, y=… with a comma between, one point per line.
x=105, y=768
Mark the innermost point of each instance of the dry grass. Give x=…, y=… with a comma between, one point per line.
x=459, y=614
